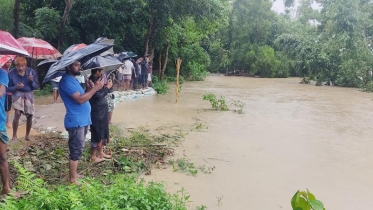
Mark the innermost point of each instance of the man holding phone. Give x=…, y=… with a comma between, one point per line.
x=23, y=81
x=78, y=113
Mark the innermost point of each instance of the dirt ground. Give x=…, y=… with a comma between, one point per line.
x=47, y=115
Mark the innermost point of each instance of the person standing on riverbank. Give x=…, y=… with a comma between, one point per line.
x=54, y=83
x=8, y=98
x=144, y=71
x=22, y=83
x=4, y=139
x=78, y=113
x=100, y=117
x=127, y=74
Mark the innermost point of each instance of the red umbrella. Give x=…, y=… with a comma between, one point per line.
x=74, y=47
x=39, y=49
x=6, y=58
x=10, y=46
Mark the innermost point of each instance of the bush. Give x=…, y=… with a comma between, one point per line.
x=117, y=192
x=160, y=86
x=46, y=90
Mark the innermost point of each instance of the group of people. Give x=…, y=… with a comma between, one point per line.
x=91, y=104
x=16, y=90
x=135, y=72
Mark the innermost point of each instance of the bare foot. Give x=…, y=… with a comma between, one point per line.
x=6, y=191
x=97, y=160
x=14, y=138
x=103, y=155
x=27, y=138
x=74, y=181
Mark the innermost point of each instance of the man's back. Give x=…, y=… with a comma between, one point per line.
x=77, y=115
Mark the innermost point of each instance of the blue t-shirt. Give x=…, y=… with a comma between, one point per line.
x=4, y=80
x=77, y=115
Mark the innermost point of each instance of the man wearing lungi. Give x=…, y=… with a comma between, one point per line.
x=23, y=81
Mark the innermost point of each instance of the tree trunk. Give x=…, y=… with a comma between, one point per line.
x=159, y=64
x=68, y=7
x=16, y=18
x=165, y=60
x=148, y=35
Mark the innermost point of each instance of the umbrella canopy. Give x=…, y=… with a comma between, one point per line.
x=39, y=49
x=106, y=41
x=74, y=47
x=123, y=55
x=107, y=63
x=10, y=46
x=58, y=68
x=6, y=58
x=47, y=61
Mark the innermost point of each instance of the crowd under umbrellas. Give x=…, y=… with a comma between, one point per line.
x=94, y=67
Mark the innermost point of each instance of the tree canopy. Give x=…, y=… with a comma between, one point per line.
x=332, y=44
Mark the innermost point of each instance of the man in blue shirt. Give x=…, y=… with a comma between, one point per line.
x=4, y=170
x=78, y=109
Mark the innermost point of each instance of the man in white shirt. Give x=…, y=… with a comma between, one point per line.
x=128, y=68
x=54, y=83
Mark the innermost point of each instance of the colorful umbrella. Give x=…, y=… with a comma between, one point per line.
x=74, y=47
x=6, y=58
x=39, y=49
x=58, y=68
x=10, y=46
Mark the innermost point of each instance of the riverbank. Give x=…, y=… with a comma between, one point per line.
x=292, y=136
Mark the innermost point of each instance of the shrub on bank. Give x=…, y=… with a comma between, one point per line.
x=116, y=192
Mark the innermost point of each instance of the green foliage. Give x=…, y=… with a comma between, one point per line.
x=47, y=90
x=306, y=201
x=118, y=192
x=160, y=86
x=47, y=21
x=197, y=71
x=6, y=15
x=218, y=104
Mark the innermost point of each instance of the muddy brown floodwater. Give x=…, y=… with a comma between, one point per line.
x=292, y=136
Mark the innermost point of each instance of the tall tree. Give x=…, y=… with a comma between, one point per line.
x=17, y=4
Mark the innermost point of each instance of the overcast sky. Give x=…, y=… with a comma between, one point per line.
x=279, y=7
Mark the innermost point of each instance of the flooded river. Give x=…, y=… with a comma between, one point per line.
x=292, y=136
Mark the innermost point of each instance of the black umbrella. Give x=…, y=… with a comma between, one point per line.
x=108, y=63
x=106, y=41
x=124, y=55
x=47, y=61
x=58, y=68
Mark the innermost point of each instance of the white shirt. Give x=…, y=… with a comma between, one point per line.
x=128, y=65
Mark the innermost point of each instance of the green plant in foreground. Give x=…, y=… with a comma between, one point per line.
x=306, y=201
x=240, y=105
x=218, y=104
x=115, y=192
